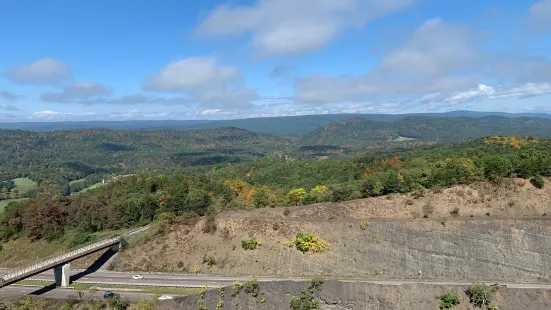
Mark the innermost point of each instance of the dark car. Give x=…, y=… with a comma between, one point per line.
x=108, y=294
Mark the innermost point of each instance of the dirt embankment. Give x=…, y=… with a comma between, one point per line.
x=508, y=238
x=360, y=296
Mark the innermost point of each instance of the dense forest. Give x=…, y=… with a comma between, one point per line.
x=270, y=182
x=65, y=162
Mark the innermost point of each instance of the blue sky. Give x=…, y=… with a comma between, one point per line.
x=119, y=60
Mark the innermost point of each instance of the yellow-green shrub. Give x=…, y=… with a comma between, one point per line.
x=307, y=242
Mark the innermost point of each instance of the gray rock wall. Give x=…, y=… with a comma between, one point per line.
x=337, y=295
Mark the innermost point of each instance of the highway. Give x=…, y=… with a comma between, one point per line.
x=115, y=278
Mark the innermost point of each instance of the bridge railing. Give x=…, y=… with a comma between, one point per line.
x=59, y=258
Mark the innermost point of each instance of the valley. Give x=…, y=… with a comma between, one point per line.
x=424, y=202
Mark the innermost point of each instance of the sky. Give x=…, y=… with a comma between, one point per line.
x=64, y=60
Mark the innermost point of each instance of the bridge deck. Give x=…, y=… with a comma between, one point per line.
x=26, y=272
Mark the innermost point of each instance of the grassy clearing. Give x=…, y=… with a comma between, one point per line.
x=76, y=181
x=4, y=203
x=402, y=139
x=91, y=187
x=24, y=184
x=182, y=291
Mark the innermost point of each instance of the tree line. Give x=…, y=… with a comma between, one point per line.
x=140, y=199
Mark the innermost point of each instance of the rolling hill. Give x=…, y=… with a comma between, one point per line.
x=286, y=126
x=359, y=132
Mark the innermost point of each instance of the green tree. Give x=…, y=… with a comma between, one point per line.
x=480, y=294
x=373, y=186
x=538, y=181
x=296, y=195
x=448, y=300
x=496, y=167
x=260, y=198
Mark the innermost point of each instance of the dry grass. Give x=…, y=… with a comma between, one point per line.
x=186, y=244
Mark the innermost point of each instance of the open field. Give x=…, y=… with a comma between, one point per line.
x=24, y=184
x=91, y=187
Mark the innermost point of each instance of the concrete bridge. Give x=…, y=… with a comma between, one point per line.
x=61, y=264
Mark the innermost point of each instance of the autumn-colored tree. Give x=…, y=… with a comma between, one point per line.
x=296, y=195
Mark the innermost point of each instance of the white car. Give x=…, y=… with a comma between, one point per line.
x=165, y=297
x=137, y=277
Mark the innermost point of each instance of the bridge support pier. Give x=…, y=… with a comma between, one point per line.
x=116, y=247
x=62, y=275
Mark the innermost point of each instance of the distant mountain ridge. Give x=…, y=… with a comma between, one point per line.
x=360, y=131
x=286, y=126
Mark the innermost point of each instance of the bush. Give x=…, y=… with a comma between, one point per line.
x=448, y=300
x=117, y=303
x=252, y=287
x=260, y=198
x=538, y=181
x=250, y=244
x=306, y=242
x=455, y=212
x=236, y=288
x=364, y=225
x=428, y=209
x=307, y=298
x=209, y=260
x=480, y=294
x=209, y=227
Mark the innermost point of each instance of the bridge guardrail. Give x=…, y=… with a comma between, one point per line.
x=58, y=258
x=61, y=257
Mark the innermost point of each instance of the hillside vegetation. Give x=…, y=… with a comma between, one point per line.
x=136, y=200
x=361, y=131
x=55, y=160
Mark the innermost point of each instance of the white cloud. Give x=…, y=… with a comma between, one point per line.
x=488, y=92
x=190, y=73
x=526, y=90
x=48, y=115
x=210, y=112
x=439, y=65
x=210, y=84
x=41, y=72
x=77, y=91
x=279, y=27
x=434, y=49
x=431, y=61
x=144, y=99
x=539, y=16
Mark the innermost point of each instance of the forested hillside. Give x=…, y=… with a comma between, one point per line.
x=66, y=162
x=426, y=130
x=63, y=156
x=276, y=182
